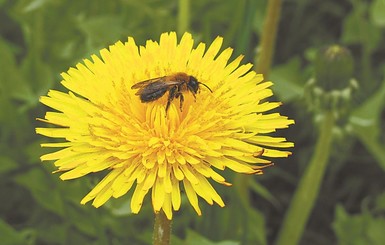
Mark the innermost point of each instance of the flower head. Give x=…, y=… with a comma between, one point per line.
x=106, y=127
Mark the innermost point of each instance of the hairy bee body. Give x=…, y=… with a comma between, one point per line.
x=175, y=85
x=153, y=92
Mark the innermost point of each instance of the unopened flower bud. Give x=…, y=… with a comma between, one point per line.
x=333, y=68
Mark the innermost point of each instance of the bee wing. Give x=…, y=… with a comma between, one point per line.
x=155, y=86
x=147, y=82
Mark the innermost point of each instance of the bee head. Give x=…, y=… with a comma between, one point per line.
x=193, y=85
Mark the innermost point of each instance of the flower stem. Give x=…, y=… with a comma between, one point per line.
x=162, y=229
x=269, y=32
x=183, y=16
x=308, y=188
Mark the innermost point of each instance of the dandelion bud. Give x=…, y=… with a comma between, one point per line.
x=333, y=68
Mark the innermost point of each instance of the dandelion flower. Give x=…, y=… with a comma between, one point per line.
x=104, y=126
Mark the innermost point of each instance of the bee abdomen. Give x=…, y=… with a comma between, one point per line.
x=147, y=97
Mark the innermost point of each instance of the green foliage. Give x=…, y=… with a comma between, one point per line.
x=194, y=238
x=364, y=228
x=11, y=236
x=39, y=39
x=366, y=122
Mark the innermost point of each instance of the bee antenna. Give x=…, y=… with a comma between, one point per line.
x=206, y=87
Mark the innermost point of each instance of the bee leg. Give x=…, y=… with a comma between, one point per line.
x=171, y=96
x=181, y=99
x=195, y=98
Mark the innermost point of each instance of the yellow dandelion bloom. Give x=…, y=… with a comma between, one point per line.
x=105, y=125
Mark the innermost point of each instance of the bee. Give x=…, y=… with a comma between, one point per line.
x=175, y=85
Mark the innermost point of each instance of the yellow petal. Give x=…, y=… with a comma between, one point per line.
x=137, y=198
x=158, y=194
x=192, y=196
x=175, y=194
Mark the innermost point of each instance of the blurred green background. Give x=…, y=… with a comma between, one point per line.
x=39, y=39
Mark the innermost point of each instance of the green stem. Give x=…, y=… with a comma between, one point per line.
x=162, y=229
x=269, y=32
x=241, y=183
x=308, y=188
x=183, y=16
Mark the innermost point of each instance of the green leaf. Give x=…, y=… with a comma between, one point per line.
x=83, y=219
x=377, y=10
x=259, y=16
x=358, y=229
x=366, y=122
x=33, y=152
x=263, y=191
x=380, y=202
x=7, y=164
x=40, y=79
x=375, y=231
x=10, y=236
x=194, y=238
x=52, y=232
x=348, y=229
x=358, y=29
x=43, y=189
x=16, y=82
x=13, y=122
x=247, y=223
x=120, y=207
x=102, y=30
x=10, y=76
x=256, y=227
x=286, y=80
x=35, y=4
